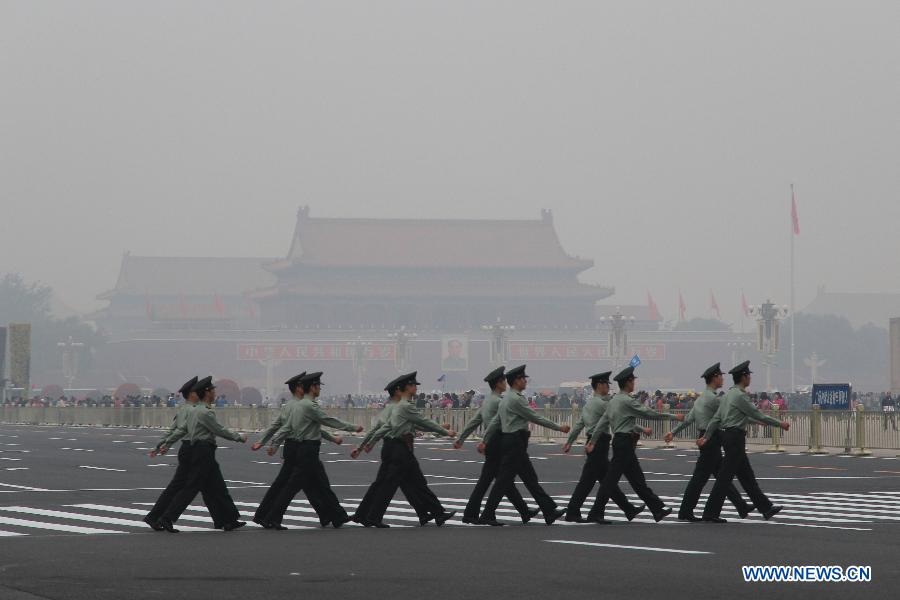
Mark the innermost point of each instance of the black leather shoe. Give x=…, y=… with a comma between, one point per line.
x=772, y=512
x=637, y=510
x=713, y=520
x=665, y=512
x=423, y=521
x=444, y=517
x=263, y=524
x=491, y=522
x=154, y=525
x=553, y=516
x=576, y=519
x=380, y=525
x=470, y=520
x=530, y=514
x=276, y=526
x=599, y=520
x=233, y=526
x=167, y=525
x=690, y=518
x=743, y=513
x=337, y=523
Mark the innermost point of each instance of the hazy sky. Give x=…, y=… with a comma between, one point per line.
x=664, y=135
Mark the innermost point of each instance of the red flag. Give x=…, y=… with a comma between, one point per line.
x=795, y=220
x=714, y=306
x=217, y=302
x=681, y=307
x=654, y=310
x=744, y=306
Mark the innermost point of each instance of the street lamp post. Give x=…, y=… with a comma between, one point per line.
x=360, y=358
x=813, y=362
x=499, y=340
x=768, y=317
x=402, y=338
x=70, y=359
x=737, y=350
x=618, y=335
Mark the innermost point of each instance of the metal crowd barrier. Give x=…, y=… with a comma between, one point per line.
x=853, y=432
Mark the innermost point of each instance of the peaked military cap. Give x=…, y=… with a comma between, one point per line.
x=494, y=376
x=712, y=372
x=203, y=385
x=515, y=373
x=600, y=378
x=624, y=375
x=188, y=386
x=741, y=370
x=295, y=380
x=394, y=383
x=311, y=379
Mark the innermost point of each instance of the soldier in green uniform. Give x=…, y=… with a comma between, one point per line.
x=402, y=466
x=287, y=456
x=710, y=459
x=412, y=493
x=492, y=454
x=597, y=462
x=511, y=424
x=734, y=412
x=184, y=461
x=620, y=418
x=201, y=429
x=303, y=424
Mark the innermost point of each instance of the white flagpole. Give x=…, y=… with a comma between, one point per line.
x=793, y=285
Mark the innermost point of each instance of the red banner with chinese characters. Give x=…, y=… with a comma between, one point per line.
x=527, y=351
x=315, y=351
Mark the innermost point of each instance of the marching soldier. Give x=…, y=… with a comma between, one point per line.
x=710, y=459
x=511, y=424
x=412, y=493
x=184, y=462
x=492, y=454
x=620, y=417
x=734, y=412
x=303, y=424
x=402, y=466
x=596, y=463
x=201, y=428
x=287, y=465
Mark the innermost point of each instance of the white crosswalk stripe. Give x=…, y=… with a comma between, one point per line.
x=859, y=511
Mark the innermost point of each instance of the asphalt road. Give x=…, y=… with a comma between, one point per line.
x=71, y=500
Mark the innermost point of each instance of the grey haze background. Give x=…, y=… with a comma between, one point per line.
x=663, y=135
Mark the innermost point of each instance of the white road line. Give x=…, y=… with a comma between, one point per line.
x=245, y=482
x=39, y=512
x=24, y=487
x=647, y=548
x=135, y=511
x=54, y=526
x=101, y=468
x=11, y=534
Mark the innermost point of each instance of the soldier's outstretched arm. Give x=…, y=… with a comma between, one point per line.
x=471, y=426
x=208, y=420
x=600, y=428
x=412, y=415
x=526, y=412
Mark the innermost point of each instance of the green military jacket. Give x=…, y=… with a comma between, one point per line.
x=620, y=416
x=405, y=419
x=278, y=422
x=701, y=413
x=303, y=422
x=484, y=416
x=177, y=423
x=590, y=415
x=514, y=414
x=375, y=434
x=200, y=425
x=735, y=410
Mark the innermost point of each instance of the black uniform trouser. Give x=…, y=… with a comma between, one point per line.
x=177, y=482
x=625, y=462
x=308, y=475
x=708, y=464
x=203, y=475
x=516, y=462
x=419, y=504
x=493, y=456
x=402, y=469
x=594, y=470
x=278, y=485
x=735, y=463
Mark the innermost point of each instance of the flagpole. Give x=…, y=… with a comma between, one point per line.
x=793, y=285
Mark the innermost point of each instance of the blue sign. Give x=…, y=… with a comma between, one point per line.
x=831, y=396
x=635, y=361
